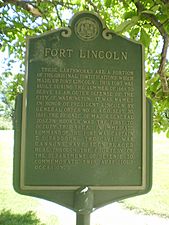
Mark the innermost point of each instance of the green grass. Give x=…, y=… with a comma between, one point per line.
x=155, y=202
x=8, y=195
x=12, y=202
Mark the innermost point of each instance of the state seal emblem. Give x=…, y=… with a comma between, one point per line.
x=87, y=29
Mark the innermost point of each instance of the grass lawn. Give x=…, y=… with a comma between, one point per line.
x=9, y=199
x=155, y=202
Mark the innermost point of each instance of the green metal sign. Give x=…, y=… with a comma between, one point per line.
x=83, y=124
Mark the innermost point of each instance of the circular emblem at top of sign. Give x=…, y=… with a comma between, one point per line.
x=87, y=29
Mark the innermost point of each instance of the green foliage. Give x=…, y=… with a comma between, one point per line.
x=11, y=86
x=5, y=124
x=144, y=37
x=107, y=3
x=8, y=218
x=127, y=24
x=143, y=21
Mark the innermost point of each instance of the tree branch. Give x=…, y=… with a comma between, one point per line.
x=58, y=15
x=94, y=6
x=151, y=17
x=164, y=34
x=26, y=6
x=161, y=70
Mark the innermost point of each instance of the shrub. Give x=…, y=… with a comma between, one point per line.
x=9, y=218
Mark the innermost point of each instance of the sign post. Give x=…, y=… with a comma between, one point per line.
x=83, y=135
x=83, y=205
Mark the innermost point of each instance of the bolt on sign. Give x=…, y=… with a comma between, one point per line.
x=83, y=127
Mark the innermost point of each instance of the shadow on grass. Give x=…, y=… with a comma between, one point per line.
x=9, y=218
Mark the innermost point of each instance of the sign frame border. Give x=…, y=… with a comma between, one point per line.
x=75, y=187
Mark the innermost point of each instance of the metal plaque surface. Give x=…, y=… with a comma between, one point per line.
x=83, y=111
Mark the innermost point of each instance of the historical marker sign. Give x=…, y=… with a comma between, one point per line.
x=84, y=118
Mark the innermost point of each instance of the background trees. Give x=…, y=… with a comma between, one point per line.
x=144, y=21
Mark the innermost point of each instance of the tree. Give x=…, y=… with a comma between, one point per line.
x=144, y=21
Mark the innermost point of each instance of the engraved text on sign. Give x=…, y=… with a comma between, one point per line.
x=80, y=114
